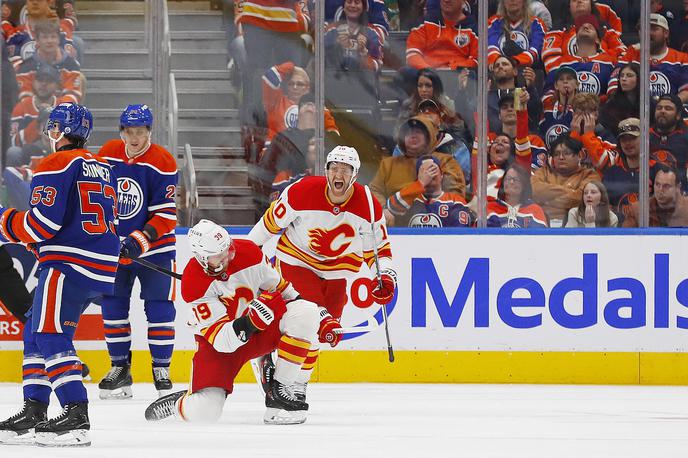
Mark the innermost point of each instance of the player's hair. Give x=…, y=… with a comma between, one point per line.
x=46, y=26
x=76, y=142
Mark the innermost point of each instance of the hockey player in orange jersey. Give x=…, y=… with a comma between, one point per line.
x=241, y=308
x=326, y=239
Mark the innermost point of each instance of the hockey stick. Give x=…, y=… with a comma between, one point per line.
x=390, y=350
x=157, y=268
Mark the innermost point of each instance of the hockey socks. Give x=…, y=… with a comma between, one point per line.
x=291, y=354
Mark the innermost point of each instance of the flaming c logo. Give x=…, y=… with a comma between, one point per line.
x=324, y=242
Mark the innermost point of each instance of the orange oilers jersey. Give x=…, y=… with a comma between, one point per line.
x=563, y=43
x=331, y=240
x=219, y=300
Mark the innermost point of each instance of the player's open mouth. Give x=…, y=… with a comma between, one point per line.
x=338, y=185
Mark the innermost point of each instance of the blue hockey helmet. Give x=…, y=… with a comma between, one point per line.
x=136, y=116
x=71, y=119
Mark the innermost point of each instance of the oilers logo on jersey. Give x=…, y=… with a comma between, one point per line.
x=573, y=46
x=555, y=131
x=462, y=39
x=518, y=37
x=588, y=82
x=425, y=220
x=659, y=84
x=129, y=198
x=291, y=116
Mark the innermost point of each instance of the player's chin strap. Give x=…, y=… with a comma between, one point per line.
x=53, y=142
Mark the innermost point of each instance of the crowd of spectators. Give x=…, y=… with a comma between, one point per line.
x=40, y=69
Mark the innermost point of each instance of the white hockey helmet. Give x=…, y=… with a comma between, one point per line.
x=208, y=239
x=345, y=155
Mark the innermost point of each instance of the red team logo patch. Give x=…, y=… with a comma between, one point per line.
x=331, y=243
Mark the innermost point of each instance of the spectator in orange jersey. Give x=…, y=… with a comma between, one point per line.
x=559, y=186
x=283, y=87
x=584, y=128
x=48, y=51
x=450, y=42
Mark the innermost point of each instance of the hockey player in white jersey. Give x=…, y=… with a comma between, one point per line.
x=241, y=308
x=326, y=238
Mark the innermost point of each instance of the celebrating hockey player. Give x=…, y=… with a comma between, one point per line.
x=326, y=239
x=146, y=185
x=239, y=313
x=71, y=227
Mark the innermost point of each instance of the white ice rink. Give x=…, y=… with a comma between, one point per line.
x=398, y=420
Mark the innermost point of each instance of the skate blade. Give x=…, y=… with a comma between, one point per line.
x=119, y=393
x=17, y=438
x=274, y=416
x=73, y=438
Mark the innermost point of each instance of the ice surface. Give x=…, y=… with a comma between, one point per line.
x=397, y=420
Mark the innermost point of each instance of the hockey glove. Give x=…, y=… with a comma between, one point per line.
x=326, y=333
x=511, y=48
x=134, y=245
x=260, y=315
x=33, y=249
x=383, y=291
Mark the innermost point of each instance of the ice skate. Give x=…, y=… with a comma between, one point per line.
x=163, y=407
x=299, y=390
x=283, y=407
x=264, y=370
x=116, y=384
x=20, y=428
x=69, y=429
x=161, y=378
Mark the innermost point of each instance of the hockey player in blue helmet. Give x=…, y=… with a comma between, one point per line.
x=71, y=227
x=146, y=188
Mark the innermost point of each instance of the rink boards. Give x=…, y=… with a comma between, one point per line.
x=574, y=306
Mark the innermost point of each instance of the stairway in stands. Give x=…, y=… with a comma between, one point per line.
x=116, y=65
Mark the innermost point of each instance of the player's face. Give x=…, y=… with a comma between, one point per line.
x=425, y=89
x=219, y=262
x=628, y=80
x=136, y=138
x=338, y=178
x=591, y=195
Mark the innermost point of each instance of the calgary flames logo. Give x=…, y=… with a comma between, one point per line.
x=324, y=242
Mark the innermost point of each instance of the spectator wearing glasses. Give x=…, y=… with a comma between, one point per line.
x=514, y=207
x=559, y=186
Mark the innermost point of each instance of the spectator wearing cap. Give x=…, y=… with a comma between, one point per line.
x=514, y=207
x=505, y=76
x=601, y=152
x=508, y=118
x=451, y=136
x=668, y=205
x=558, y=186
x=448, y=42
x=516, y=33
x=557, y=106
x=417, y=137
x=592, y=64
x=669, y=133
x=423, y=202
x=624, y=102
x=622, y=180
x=668, y=67
x=48, y=51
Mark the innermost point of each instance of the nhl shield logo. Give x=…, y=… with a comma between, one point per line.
x=588, y=82
x=659, y=84
x=129, y=198
x=291, y=116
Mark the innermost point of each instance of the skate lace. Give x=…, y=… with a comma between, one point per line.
x=300, y=388
x=114, y=372
x=286, y=392
x=160, y=373
x=164, y=409
x=19, y=414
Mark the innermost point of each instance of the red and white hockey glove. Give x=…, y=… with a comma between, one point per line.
x=383, y=294
x=260, y=315
x=328, y=325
